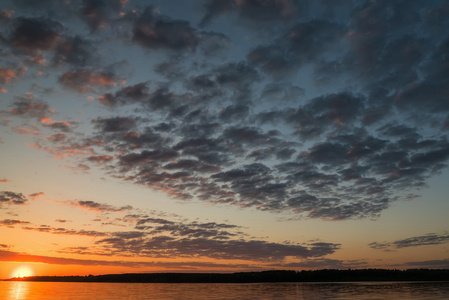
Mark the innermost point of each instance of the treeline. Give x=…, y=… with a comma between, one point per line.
x=326, y=275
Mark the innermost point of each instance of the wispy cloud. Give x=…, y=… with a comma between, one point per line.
x=12, y=223
x=423, y=240
x=12, y=256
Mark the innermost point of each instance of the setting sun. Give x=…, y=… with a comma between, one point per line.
x=22, y=271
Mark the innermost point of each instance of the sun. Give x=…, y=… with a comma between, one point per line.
x=22, y=271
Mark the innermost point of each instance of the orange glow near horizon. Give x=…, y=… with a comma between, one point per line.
x=22, y=271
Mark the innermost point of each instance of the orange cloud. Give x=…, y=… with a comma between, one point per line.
x=35, y=195
x=35, y=146
x=80, y=167
x=60, y=125
x=7, y=75
x=21, y=129
x=5, y=180
x=85, y=80
x=68, y=151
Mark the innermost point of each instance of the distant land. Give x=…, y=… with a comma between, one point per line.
x=326, y=275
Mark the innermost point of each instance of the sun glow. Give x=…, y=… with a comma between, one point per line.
x=22, y=271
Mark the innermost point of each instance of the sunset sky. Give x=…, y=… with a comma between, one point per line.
x=223, y=135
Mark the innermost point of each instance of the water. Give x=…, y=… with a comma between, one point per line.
x=113, y=291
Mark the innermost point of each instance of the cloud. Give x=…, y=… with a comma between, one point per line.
x=257, y=11
x=8, y=75
x=100, y=158
x=33, y=196
x=35, y=33
x=78, y=168
x=154, y=31
x=6, y=255
x=68, y=150
x=423, y=240
x=65, y=231
x=156, y=236
x=12, y=198
x=166, y=246
x=114, y=124
x=28, y=106
x=4, y=180
x=11, y=223
x=327, y=263
x=135, y=93
x=95, y=206
x=430, y=264
x=86, y=80
x=98, y=14
x=26, y=129
x=318, y=117
x=58, y=125
x=57, y=137
x=164, y=238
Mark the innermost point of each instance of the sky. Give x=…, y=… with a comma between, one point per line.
x=223, y=135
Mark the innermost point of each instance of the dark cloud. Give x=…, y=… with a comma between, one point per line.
x=333, y=112
x=430, y=264
x=255, y=10
x=114, y=124
x=64, y=231
x=100, y=158
x=326, y=263
x=35, y=33
x=155, y=31
x=134, y=93
x=11, y=223
x=75, y=51
x=191, y=165
x=271, y=59
x=12, y=198
x=165, y=246
x=5, y=16
x=424, y=240
x=213, y=43
x=28, y=106
x=236, y=75
x=96, y=207
x=351, y=172
x=99, y=13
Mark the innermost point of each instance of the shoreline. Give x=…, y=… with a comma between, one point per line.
x=325, y=275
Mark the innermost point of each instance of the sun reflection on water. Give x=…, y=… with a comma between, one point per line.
x=19, y=290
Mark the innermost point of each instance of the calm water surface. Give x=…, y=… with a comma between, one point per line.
x=99, y=291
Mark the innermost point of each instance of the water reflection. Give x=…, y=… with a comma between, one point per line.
x=19, y=290
x=198, y=291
